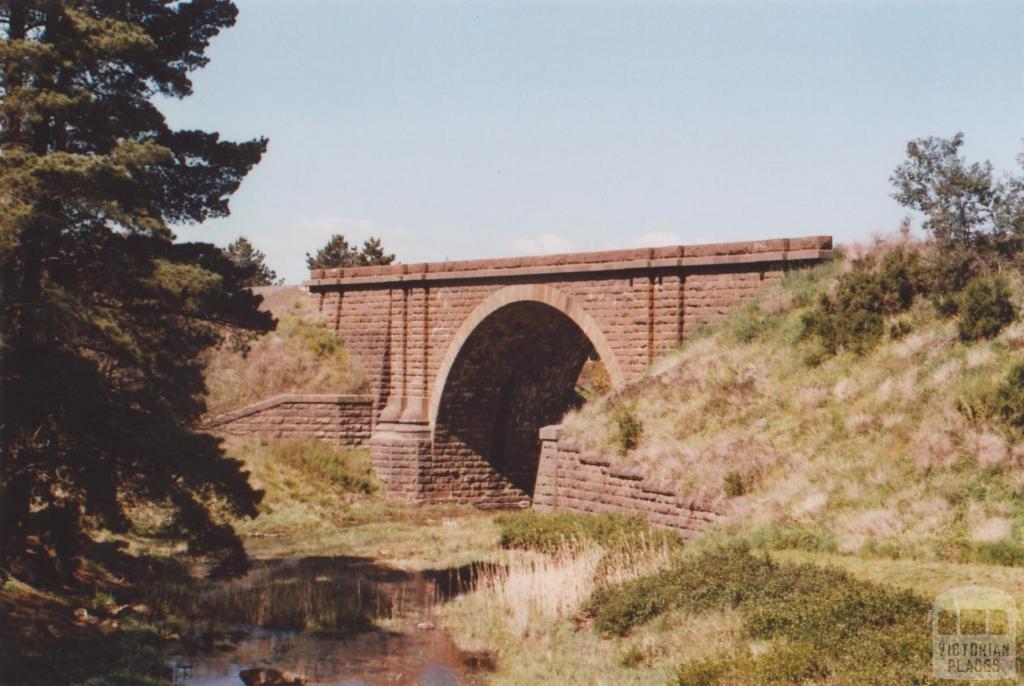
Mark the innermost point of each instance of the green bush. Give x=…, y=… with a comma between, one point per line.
x=748, y=323
x=775, y=537
x=1006, y=552
x=819, y=621
x=633, y=656
x=899, y=329
x=703, y=672
x=1009, y=399
x=853, y=317
x=985, y=308
x=348, y=469
x=628, y=429
x=549, y=531
x=733, y=484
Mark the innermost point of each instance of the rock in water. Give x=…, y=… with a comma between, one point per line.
x=437, y=675
x=268, y=676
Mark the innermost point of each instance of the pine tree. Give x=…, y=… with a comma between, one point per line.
x=338, y=253
x=104, y=316
x=373, y=253
x=252, y=263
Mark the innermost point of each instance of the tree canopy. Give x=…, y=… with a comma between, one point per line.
x=962, y=203
x=104, y=314
x=338, y=253
x=252, y=263
x=975, y=218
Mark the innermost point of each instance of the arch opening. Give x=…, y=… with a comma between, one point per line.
x=516, y=372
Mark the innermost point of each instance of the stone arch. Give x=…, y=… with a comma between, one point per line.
x=525, y=293
x=511, y=368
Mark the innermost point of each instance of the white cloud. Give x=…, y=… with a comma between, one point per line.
x=546, y=244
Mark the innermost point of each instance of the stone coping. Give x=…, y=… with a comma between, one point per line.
x=712, y=254
x=295, y=398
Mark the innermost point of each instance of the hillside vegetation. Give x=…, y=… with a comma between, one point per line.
x=300, y=356
x=906, y=446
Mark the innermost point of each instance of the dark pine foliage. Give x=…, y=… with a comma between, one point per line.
x=252, y=263
x=104, y=315
x=338, y=253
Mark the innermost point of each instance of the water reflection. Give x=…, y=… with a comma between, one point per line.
x=321, y=618
x=427, y=658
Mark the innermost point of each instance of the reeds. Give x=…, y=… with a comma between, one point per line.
x=533, y=588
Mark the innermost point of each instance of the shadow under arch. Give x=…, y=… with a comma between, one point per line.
x=511, y=368
x=524, y=293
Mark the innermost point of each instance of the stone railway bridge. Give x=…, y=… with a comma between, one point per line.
x=469, y=360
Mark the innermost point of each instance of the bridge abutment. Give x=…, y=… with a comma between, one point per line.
x=399, y=451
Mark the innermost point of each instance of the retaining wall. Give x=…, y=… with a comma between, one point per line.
x=346, y=420
x=569, y=479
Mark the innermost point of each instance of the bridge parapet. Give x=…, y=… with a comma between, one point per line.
x=670, y=257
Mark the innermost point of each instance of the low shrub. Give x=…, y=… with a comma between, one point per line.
x=853, y=317
x=819, y=621
x=1007, y=552
x=702, y=672
x=1008, y=404
x=628, y=429
x=775, y=537
x=594, y=380
x=899, y=329
x=133, y=656
x=301, y=356
x=749, y=323
x=633, y=656
x=733, y=484
x=986, y=306
x=549, y=531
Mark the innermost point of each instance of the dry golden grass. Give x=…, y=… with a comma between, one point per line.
x=300, y=356
x=525, y=612
x=532, y=589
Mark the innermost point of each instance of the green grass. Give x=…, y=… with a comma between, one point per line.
x=323, y=500
x=550, y=531
x=132, y=656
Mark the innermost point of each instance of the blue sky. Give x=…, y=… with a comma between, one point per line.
x=464, y=130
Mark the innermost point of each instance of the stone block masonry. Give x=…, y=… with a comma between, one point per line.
x=569, y=479
x=344, y=420
x=468, y=360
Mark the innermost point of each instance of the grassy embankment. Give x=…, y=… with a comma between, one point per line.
x=301, y=356
x=888, y=453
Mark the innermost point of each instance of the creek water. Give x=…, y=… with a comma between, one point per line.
x=380, y=628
